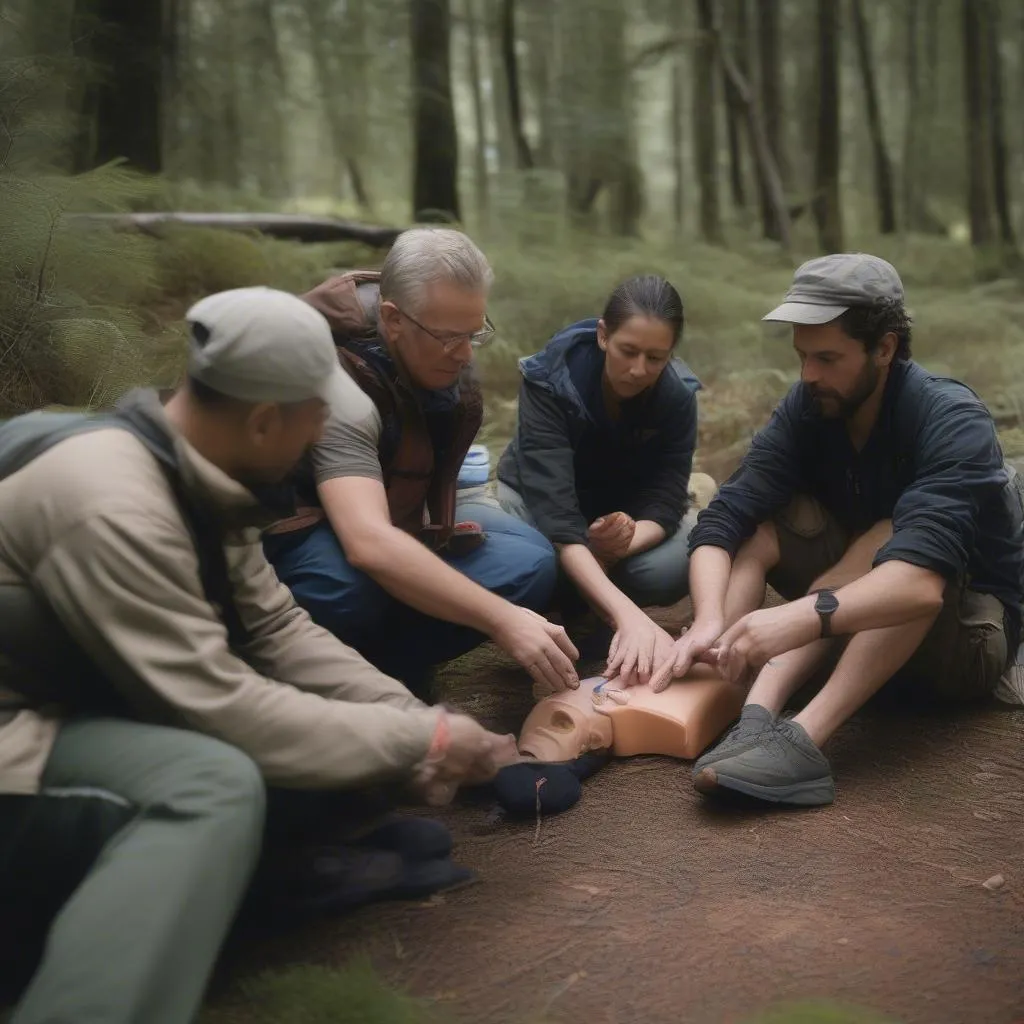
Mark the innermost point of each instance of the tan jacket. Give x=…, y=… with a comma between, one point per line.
x=91, y=524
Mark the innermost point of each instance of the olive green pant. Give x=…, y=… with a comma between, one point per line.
x=137, y=940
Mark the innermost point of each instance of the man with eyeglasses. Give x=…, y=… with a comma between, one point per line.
x=379, y=553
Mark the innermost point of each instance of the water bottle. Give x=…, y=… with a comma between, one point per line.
x=476, y=467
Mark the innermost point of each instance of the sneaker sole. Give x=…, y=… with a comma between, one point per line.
x=815, y=793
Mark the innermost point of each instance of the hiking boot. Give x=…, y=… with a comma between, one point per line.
x=416, y=839
x=784, y=768
x=754, y=722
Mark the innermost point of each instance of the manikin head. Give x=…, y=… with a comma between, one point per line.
x=434, y=287
x=638, y=331
x=849, y=325
x=262, y=372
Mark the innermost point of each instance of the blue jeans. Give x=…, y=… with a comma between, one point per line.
x=657, y=577
x=514, y=561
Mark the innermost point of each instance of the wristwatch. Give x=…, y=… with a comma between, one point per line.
x=825, y=605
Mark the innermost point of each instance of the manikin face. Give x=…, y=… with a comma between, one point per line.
x=564, y=726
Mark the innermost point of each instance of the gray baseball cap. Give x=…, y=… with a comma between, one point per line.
x=263, y=345
x=828, y=286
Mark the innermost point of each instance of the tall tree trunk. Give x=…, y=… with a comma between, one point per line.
x=1000, y=157
x=542, y=29
x=733, y=106
x=977, y=108
x=121, y=109
x=480, y=176
x=676, y=108
x=266, y=85
x=498, y=77
x=342, y=91
x=769, y=180
x=704, y=115
x=771, y=105
x=911, y=184
x=827, y=208
x=880, y=152
x=435, y=188
x=524, y=158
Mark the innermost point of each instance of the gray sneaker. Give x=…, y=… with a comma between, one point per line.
x=754, y=722
x=784, y=768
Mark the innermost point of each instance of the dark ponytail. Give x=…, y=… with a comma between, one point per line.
x=647, y=296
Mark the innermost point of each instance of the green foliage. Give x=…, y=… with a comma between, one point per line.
x=353, y=994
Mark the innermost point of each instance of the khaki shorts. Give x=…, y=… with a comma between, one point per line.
x=964, y=653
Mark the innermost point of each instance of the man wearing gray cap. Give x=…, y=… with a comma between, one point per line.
x=877, y=502
x=155, y=675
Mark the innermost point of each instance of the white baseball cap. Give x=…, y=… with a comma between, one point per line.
x=263, y=345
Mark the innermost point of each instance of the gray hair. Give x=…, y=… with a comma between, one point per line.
x=421, y=257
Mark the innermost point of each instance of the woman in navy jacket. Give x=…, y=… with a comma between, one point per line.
x=600, y=462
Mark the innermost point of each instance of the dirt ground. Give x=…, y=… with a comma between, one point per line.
x=643, y=904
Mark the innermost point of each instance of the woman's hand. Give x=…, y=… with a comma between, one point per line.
x=610, y=537
x=638, y=647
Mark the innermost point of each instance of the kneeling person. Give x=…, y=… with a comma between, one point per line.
x=601, y=459
x=879, y=491
x=377, y=556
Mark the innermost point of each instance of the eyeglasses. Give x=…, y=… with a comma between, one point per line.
x=450, y=342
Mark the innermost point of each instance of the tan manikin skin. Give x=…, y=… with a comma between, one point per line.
x=681, y=721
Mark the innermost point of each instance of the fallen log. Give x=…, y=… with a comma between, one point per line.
x=296, y=227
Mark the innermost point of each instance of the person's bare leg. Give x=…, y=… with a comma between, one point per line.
x=754, y=560
x=871, y=658
x=785, y=674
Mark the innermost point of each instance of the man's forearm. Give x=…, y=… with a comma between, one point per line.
x=417, y=577
x=891, y=594
x=585, y=571
x=709, y=580
x=648, y=534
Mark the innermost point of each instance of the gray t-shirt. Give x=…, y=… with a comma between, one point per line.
x=349, y=446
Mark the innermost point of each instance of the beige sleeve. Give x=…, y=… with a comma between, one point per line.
x=137, y=608
x=289, y=647
x=351, y=438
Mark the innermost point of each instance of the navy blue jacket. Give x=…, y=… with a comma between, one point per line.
x=932, y=464
x=572, y=463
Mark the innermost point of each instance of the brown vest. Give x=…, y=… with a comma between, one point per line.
x=420, y=460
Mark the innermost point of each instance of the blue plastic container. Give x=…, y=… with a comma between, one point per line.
x=476, y=467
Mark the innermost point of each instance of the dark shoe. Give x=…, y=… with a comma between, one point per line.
x=416, y=839
x=785, y=768
x=528, y=789
x=754, y=722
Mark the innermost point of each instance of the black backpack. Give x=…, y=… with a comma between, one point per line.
x=31, y=635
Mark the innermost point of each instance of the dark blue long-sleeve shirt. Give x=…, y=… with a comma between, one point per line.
x=932, y=464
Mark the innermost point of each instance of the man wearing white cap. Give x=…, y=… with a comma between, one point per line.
x=155, y=675
x=876, y=501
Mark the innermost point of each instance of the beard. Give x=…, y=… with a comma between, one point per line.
x=836, y=405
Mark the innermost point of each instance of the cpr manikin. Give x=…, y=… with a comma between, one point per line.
x=571, y=734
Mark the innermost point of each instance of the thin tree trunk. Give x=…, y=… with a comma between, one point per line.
x=435, y=187
x=704, y=113
x=122, y=41
x=1000, y=157
x=771, y=104
x=827, y=208
x=480, y=176
x=676, y=108
x=882, y=163
x=542, y=27
x=524, y=158
x=910, y=130
x=977, y=110
x=769, y=180
x=505, y=137
x=733, y=106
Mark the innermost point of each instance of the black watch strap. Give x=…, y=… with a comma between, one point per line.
x=826, y=605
